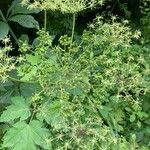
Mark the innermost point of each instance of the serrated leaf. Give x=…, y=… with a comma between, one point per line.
x=17, y=8
x=52, y=115
x=33, y=59
x=18, y=109
x=4, y=29
x=25, y=20
x=23, y=136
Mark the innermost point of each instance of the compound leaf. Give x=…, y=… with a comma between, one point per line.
x=17, y=8
x=25, y=20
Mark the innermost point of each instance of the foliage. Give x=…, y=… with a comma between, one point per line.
x=145, y=20
x=88, y=92
x=17, y=13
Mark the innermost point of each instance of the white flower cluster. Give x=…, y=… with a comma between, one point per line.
x=65, y=6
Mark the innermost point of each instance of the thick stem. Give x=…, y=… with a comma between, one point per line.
x=45, y=20
x=11, y=31
x=73, y=26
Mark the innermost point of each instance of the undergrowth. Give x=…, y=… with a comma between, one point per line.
x=86, y=93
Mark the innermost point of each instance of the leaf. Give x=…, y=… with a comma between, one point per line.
x=4, y=29
x=28, y=90
x=18, y=109
x=17, y=8
x=52, y=115
x=24, y=37
x=23, y=136
x=6, y=90
x=139, y=124
x=30, y=75
x=34, y=60
x=25, y=20
x=132, y=118
x=5, y=98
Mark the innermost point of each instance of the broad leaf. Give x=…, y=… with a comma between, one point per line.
x=4, y=29
x=23, y=136
x=34, y=60
x=52, y=115
x=28, y=90
x=18, y=109
x=5, y=98
x=25, y=20
x=17, y=8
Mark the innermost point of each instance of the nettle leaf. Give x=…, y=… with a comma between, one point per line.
x=25, y=20
x=29, y=89
x=18, y=109
x=30, y=75
x=5, y=98
x=23, y=136
x=4, y=29
x=33, y=59
x=52, y=115
x=17, y=8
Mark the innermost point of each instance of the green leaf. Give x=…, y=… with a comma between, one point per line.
x=17, y=8
x=25, y=20
x=139, y=124
x=132, y=118
x=18, y=109
x=28, y=90
x=24, y=37
x=4, y=29
x=30, y=75
x=34, y=60
x=52, y=115
x=23, y=136
x=5, y=98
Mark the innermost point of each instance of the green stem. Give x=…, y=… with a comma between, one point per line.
x=11, y=31
x=73, y=26
x=45, y=20
x=33, y=113
x=17, y=80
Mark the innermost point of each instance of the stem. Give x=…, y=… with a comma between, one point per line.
x=45, y=19
x=73, y=26
x=11, y=31
x=17, y=80
x=34, y=111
